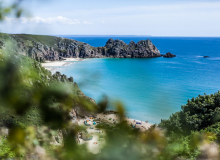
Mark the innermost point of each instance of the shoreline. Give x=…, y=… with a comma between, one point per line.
x=111, y=118
x=60, y=63
x=51, y=65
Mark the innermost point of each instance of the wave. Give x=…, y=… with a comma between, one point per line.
x=198, y=62
x=170, y=62
x=215, y=58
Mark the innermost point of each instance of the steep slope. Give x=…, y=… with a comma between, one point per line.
x=35, y=75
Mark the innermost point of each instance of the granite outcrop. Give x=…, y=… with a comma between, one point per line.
x=57, y=48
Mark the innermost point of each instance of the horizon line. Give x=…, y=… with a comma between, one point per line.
x=142, y=36
x=113, y=35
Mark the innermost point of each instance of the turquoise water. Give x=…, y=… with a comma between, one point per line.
x=152, y=88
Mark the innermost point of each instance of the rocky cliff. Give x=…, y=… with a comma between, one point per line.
x=51, y=48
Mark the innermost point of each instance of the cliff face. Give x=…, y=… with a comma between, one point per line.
x=50, y=48
x=143, y=49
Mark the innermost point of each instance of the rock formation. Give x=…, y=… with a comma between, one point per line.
x=169, y=55
x=68, y=48
x=119, y=49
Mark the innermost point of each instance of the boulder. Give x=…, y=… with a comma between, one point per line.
x=169, y=55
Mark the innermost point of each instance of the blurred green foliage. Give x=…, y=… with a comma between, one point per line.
x=14, y=8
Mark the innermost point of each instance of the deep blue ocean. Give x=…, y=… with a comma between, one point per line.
x=151, y=88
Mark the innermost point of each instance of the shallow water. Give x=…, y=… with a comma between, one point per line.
x=151, y=88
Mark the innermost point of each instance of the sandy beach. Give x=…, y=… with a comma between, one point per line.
x=50, y=65
x=95, y=144
x=113, y=118
x=73, y=59
x=54, y=64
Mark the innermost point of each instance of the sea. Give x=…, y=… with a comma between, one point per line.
x=150, y=89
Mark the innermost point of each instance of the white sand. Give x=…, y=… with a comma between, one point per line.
x=49, y=65
x=73, y=59
x=143, y=126
x=91, y=144
x=54, y=64
x=49, y=68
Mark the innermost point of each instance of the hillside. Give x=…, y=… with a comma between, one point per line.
x=35, y=76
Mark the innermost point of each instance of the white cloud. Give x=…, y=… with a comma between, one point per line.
x=178, y=7
x=39, y=20
x=86, y=22
x=179, y=18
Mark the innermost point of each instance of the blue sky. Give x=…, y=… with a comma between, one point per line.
x=118, y=17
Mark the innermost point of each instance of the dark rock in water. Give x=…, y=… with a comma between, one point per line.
x=206, y=57
x=169, y=55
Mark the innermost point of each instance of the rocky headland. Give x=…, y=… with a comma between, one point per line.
x=49, y=48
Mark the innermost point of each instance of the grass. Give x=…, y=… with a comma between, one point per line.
x=5, y=149
x=46, y=40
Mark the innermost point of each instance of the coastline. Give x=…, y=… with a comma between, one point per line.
x=52, y=65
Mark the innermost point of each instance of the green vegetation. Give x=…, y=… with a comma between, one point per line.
x=199, y=113
x=64, y=51
x=5, y=148
x=45, y=40
x=197, y=120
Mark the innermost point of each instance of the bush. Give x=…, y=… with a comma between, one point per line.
x=197, y=114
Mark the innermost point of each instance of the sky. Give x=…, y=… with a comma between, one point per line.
x=188, y=18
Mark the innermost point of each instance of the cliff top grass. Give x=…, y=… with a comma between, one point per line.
x=46, y=40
